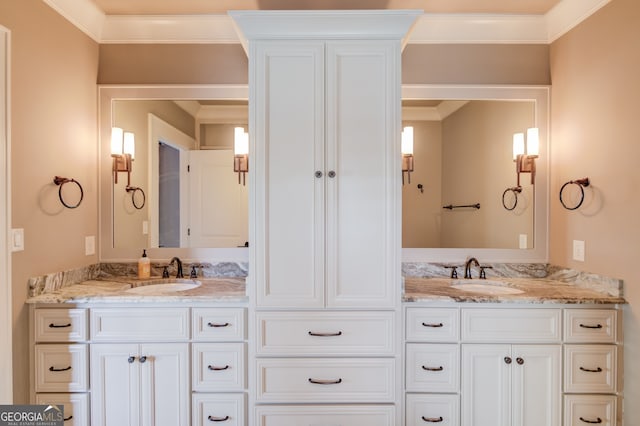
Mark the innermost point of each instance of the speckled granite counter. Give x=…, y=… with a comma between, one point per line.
x=534, y=290
x=116, y=291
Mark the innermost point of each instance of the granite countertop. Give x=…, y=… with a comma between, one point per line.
x=126, y=290
x=530, y=290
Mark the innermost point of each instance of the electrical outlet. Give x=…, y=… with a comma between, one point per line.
x=90, y=245
x=523, y=241
x=578, y=250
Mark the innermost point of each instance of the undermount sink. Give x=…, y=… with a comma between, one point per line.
x=168, y=287
x=485, y=287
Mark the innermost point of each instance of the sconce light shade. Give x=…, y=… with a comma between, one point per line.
x=526, y=163
x=406, y=148
x=122, y=152
x=241, y=153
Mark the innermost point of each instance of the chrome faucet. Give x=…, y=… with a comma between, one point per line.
x=179, y=274
x=467, y=267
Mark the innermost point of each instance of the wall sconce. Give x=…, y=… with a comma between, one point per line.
x=241, y=154
x=406, y=147
x=526, y=163
x=122, y=152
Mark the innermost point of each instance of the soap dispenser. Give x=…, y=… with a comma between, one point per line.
x=144, y=266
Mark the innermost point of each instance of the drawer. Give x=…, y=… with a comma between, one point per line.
x=590, y=368
x=583, y=410
x=325, y=333
x=139, y=324
x=60, y=325
x=432, y=367
x=590, y=325
x=76, y=406
x=442, y=410
x=219, y=324
x=334, y=415
x=227, y=409
x=61, y=368
x=326, y=380
x=433, y=324
x=511, y=325
x=218, y=367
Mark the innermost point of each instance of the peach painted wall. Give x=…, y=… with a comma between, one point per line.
x=54, y=132
x=595, y=70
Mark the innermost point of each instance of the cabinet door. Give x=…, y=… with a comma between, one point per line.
x=115, y=385
x=486, y=385
x=363, y=118
x=536, y=385
x=289, y=151
x=164, y=384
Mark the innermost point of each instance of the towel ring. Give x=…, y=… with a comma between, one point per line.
x=582, y=184
x=133, y=190
x=516, y=190
x=60, y=181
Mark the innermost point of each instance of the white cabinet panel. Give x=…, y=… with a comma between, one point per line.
x=224, y=409
x=325, y=333
x=424, y=409
x=432, y=367
x=60, y=325
x=330, y=380
x=582, y=410
x=139, y=324
x=590, y=368
x=61, y=368
x=219, y=324
x=433, y=325
x=590, y=325
x=76, y=406
x=218, y=367
x=321, y=415
x=511, y=325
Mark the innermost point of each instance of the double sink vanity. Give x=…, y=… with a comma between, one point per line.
x=117, y=350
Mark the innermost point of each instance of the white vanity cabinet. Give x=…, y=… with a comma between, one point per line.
x=140, y=366
x=61, y=361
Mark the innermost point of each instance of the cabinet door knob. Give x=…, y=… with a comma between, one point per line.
x=318, y=174
x=131, y=359
x=507, y=360
x=520, y=361
x=325, y=382
x=598, y=420
x=143, y=359
x=218, y=419
x=432, y=419
x=331, y=174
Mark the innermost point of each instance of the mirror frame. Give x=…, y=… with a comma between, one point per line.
x=107, y=94
x=540, y=96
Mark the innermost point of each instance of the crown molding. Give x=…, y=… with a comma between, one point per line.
x=429, y=28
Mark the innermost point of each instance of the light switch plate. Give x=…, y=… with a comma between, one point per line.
x=578, y=250
x=523, y=241
x=17, y=239
x=90, y=245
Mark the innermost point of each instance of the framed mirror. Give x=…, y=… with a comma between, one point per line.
x=459, y=201
x=183, y=166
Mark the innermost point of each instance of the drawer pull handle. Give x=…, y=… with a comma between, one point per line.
x=591, y=326
x=313, y=333
x=66, y=419
x=589, y=370
x=439, y=325
x=213, y=324
x=131, y=359
x=432, y=419
x=143, y=359
x=214, y=368
x=218, y=419
x=599, y=420
x=507, y=360
x=325, y=382
x=52, y=325
x=433, y=368
x=520, y=361
x=52, y=368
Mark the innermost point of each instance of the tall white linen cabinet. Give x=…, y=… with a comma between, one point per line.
x=325, y=197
